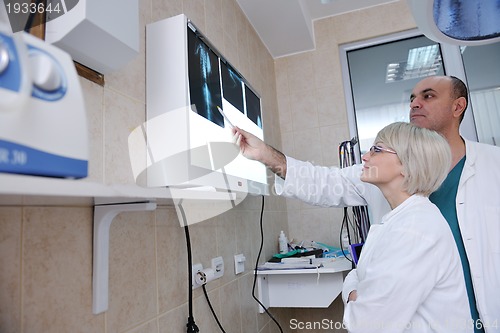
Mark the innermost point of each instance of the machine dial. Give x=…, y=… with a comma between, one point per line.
x=4, y=57
x=45, y=72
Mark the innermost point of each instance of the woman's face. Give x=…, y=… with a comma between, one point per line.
x=381, y=166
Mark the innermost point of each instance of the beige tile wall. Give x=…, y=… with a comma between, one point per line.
x=46, y=275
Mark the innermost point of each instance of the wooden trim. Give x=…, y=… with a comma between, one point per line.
x=38, y=30
x=89, y=74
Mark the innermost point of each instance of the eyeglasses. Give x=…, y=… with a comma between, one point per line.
x=378, y=149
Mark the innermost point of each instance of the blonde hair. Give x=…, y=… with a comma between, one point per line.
x=424, y=154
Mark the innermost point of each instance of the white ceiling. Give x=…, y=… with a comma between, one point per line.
x=286, y=26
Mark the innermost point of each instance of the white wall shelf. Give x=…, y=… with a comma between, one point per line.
x=302, y=288
x=20, y=190
x=108, y=201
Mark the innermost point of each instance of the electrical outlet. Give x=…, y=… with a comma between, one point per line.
x=218, y=267
x=196, y=268
x=202, y=276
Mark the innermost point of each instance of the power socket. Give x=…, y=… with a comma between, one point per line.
x=196, y=268
x=218, y=267
x=202, y=276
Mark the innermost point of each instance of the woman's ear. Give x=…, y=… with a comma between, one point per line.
x=403, y=171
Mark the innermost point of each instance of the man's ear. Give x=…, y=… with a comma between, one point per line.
x=460, y=105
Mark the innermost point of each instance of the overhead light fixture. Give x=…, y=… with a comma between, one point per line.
x=458, y=22
x=421, y=62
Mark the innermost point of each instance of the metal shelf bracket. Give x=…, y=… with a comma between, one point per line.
x=103, y=217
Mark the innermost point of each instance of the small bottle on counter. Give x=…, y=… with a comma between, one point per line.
x=283, y=243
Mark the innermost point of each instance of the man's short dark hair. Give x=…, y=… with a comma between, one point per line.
x=459, y=89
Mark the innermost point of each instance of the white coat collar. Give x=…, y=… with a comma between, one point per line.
x=401, y=207
x=470, y=160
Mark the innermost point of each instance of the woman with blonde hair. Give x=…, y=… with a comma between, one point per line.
x=409, y=277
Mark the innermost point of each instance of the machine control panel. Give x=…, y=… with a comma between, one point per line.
x=43, y=123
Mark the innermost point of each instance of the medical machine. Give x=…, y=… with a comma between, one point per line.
x=43, y=125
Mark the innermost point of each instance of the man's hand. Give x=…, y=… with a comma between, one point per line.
x=255, y=149
x=250, y=146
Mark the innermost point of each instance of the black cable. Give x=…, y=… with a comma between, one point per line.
x=360, y=222
x=257, y=265
x=346, y=223
x=364, y=222
x=347, y=229
x=211, y=308
x=191, y=325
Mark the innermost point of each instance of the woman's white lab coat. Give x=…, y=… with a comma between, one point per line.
x=409, y=277
x=478, y=211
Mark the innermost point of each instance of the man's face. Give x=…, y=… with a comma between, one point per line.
x=431, y=104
